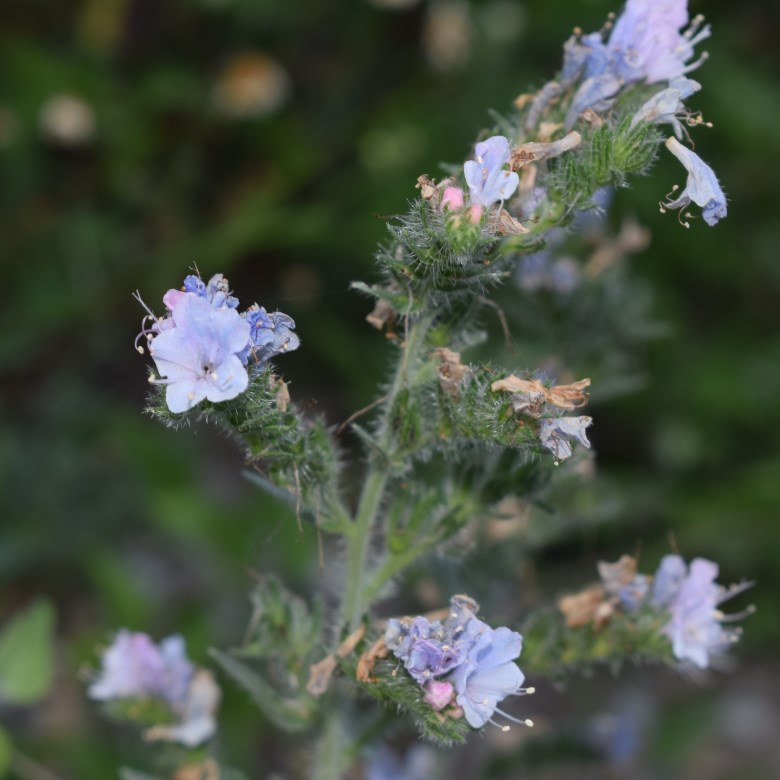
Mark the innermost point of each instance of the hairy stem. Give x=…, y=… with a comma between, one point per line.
x=355, y=601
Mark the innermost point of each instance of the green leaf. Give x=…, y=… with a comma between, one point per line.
x=288, y=714
x=6, y=751
x=26, y=657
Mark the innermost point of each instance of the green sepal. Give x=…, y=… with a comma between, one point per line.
x=296, y=454
x=395, y=689
x=552, y=649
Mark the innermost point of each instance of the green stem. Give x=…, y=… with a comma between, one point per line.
x=334, y=755
x=355, y=601
x=396, y=564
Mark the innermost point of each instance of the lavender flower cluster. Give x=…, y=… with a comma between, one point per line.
x=136, y=669
x=651, y=41
x=691, y=597
x=203, y=346
x=464, y=666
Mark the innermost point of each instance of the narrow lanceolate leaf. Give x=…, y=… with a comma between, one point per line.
x=26, y=658
x=285, y=713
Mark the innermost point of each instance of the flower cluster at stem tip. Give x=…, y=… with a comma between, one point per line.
x=464, y=666
x=204, y=348
x=650, y=42
x=135, y=669
x=691, y=597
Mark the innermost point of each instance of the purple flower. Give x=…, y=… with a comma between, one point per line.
x=269, y=335
x=692, y=596
x=426, y=649
x=478, y=661
x=488, y=182
x=647, y=43
x=584, y=55
x=694, y=629
x=134, y=667
x=667, y=580
x=702, y=186
x=198, y=358
x=554, y=433
x=216, y=291
x=488, y=674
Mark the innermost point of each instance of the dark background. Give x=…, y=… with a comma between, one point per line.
x=267, y=140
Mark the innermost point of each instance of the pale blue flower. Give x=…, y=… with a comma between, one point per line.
x=198, y=358
x=554, y=433
x=135, y=667
x=691, y=596
x=702, y=187
x=694, y=628
x=196, y=721
x=488, y=674
x=666, y=106
x=488, y=182
x=647, y=42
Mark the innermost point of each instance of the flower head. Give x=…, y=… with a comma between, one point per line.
x=203, y=345
x=198, y=358
x=134, y=667
x=488, y=182
x=475, y=661
x=702, y=187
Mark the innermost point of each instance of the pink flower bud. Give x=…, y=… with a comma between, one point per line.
x=452, y=199
x=474, y=214
x=438, y=694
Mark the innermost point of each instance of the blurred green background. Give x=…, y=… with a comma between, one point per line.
x=269, y=140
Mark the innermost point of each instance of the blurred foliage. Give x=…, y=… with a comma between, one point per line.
x=270, y=140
